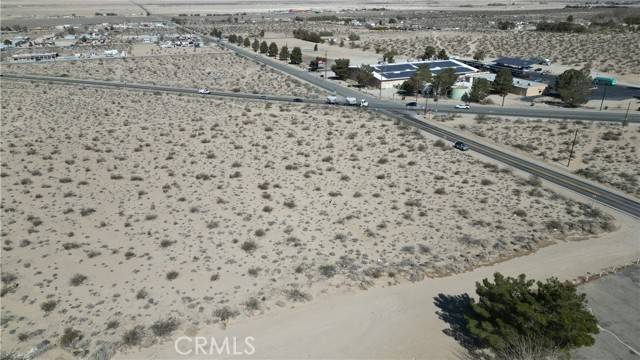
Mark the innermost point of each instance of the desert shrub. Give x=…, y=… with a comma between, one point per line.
x=70, y=245
x=249, y=246
x=409, y=249
x=8, y=278
x=87, y=211
x=440, y=191
x=48, y=306
x=520, y=213
x=70, y=337
x=172, y=275
x=134, y=336
x=534, y=181
x=141, y=294
x=328, y=270
x=77, y=279
x=290, y=204
x=439, y=143
x=252, y=304
x=259, y=233
x=254, y=271
x=224, y=314
x=166, y=243
x=486, y=182
x=297, y=295
x=164, y=327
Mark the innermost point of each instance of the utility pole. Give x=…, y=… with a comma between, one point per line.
x=326, y=64
x=575, y=136
x=604, y=93
x=626, y=115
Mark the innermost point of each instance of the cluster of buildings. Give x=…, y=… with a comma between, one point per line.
x=525, y=83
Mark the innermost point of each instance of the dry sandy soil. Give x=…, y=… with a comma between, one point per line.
x=615, y=53
x=124, y=209
x=605, y=152
x=221, y=70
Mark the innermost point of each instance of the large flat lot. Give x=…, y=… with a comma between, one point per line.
x=121, y=208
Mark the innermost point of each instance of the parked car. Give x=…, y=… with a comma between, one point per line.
x=297, y=100
x=204, y=91
x=412, y=104
x=462, y=106
x=461, y=146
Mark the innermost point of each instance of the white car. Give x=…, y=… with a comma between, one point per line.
x=462, y=106
x=203, y=91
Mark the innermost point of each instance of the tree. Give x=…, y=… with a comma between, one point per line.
x=364, y=76
x=389, y=56
x=442, y=55
x=429, y=52
x=574, y=87
x=247, y=42
x=264, y=47
x=341, y=68
x=284, y=53
x=503, y=83
x=315, y=47
x=354, y=37
x=273, y=49
x=232, y=38
x=415, y=83
x=296, y=56
x=511, y=309
x=256, y=45
x=240, y=40
x=261, y=34
x=479, y=90
x=479, y=55
x=444, y=81
x=7, y=42
x=341, y=42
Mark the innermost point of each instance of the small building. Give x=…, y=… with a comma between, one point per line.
x=35, y=57
x=522, y=87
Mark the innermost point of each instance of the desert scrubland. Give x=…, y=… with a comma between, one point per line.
x=221, y=70
x=126, y=215
x=604, y=152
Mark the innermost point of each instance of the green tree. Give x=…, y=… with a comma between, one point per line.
x=444, y=80
x=415, y=83
x=364, y=76
x=7, y=42
x=315, y=47
x=389, y=56
x=296, y=56
x=574, y=87
x=354, y=37
x=442, y=55
x=239, y=40
x=273, y=49
x=479, y=90
x=510, y=309
x=256, y=45
x=479, y=55
x=429, y=53
x=284, y=53
x=233, y=38
x=341, y=42
x=341, y=68
x=247, y=42
x=503, y=83
x=264, y=48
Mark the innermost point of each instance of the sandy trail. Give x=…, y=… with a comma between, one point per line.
x=401, y=321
